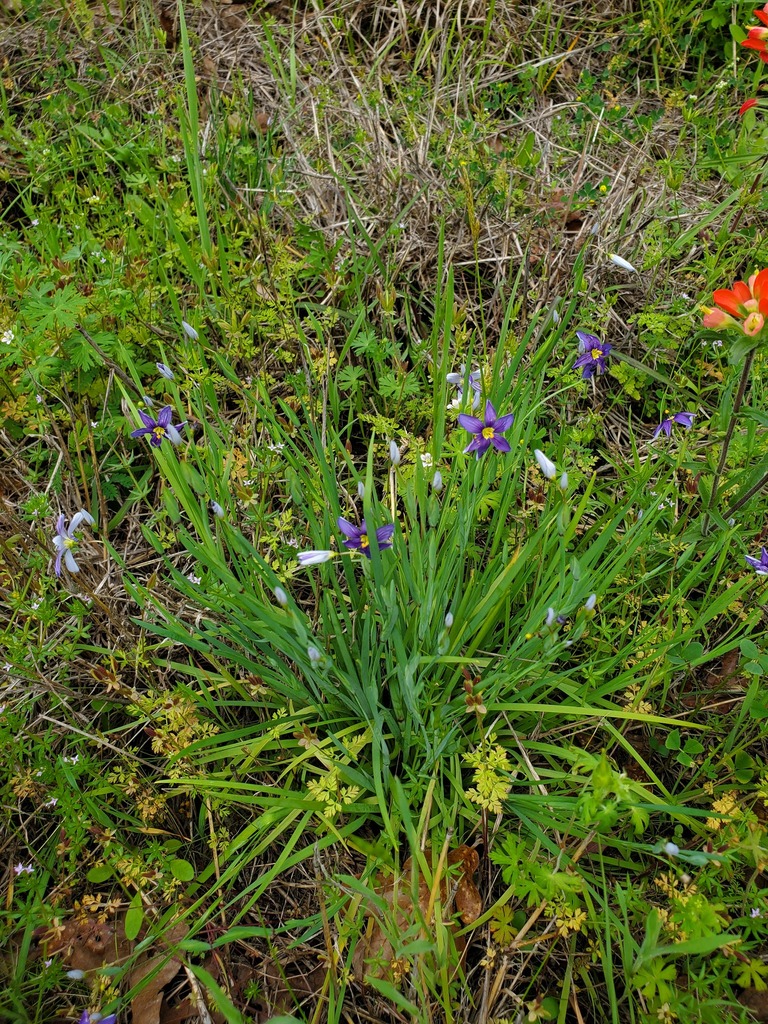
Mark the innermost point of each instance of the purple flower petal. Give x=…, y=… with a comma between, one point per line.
x=349, y=530
x=504, y=422
x=147, y=420
x=384, y=535
x=471, y=423
x=500, y=443
x=165, y=416
x=490, y=413
x=479, y=444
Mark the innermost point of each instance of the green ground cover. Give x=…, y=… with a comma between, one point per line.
x=309, y=713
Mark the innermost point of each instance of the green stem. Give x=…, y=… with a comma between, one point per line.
x=750, y=494
x=728, y=435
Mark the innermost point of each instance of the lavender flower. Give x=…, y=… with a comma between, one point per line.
x=475, y=385
x=593, y=354
x=164, y=370
x=487, y=431
x=685, y=419
x=64, y=540
x=96, y=1018
x=19, y=869
x=760, y=565
x=358, y=538
x=159, y=428
x=314, y=557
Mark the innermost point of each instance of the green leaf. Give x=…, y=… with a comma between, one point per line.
x=100, y=873
x=182, y=870
x=672, y=741
x=134, y=918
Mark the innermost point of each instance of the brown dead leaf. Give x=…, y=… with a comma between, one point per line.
x=374, y=954
x=146, y=1006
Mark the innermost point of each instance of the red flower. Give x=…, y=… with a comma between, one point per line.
x=747, y=302
x=747, y=106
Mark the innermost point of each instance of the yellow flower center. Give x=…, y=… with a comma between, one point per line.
x=70, y=542
x=596, y=353
x=158, y=431
x=488, y=433
x=364, y=542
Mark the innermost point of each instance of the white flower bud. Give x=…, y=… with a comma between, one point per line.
x=189, y=330
x=671, y=849
x=618, y=261
x=448, y=620
x=550, y=616
x=360, y=489
x=394, y=454
x=547, y=467
x=563, y=485
x=591, y=602
x=217, y=510
x=281, y=597
x=314, y=655
x=437, y=482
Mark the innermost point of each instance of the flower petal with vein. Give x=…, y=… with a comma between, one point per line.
x=594, y=354
x=64, y=540
x=358, y=538
x=159, y=429
x=487, y=431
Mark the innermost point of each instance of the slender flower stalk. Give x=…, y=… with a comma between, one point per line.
x=738, y=399
x=488, y=431
x=65, y=540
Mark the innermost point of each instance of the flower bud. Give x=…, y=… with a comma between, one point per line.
x=671, y=849
x=164, y=371
x=590, y=603
x=281, y=597
x=550, y=617
x=437, y=482
x=314, y=655
x=621, y=263
x=217, y=510
x=189, y=330
x=360, y=489
x=448, y=620
x=394, y=454
x=563, y=485
x=547, y=467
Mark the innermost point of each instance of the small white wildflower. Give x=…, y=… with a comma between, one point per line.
x=437, y=482
x=731, y=521
x=755, y=912
x=671, y=849
x=39, y=399
x=194, y=580
x=619, y=261
x=555, y=316
x=547, y=467
x=94, y=424
x=34, y=222
x=394, y=454
x=189, y=330
x=36, y=604
x=281, y=597
x=314, y=655
x=7, y=337
x=426, y=460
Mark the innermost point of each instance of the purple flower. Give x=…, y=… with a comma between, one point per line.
x=475, y=385
x=685, y=419
x=358, y=538
x=760, y=565
x=164, y=370
x=87, y=1018
x=487, y=431
x=314, y=557
x=64, y=540
x=20, y=869
x=593, y=354
x=159, y=428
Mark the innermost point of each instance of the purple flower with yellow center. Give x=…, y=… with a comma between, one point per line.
x=359, y=539
x=593, y=354
x=685, y=419
x=760, y=565
x=160, y=428
x=65, y=540
x=488, y=431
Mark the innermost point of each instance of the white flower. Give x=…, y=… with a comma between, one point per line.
x=281, y=597
x=671, y=849
x=194, y=580
x=7, y=337
x=550, y=616
x=189, y=330
x=34, y=222
x=619, y=261
x=426, y=460
x=547, y=467
x=38, y=399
